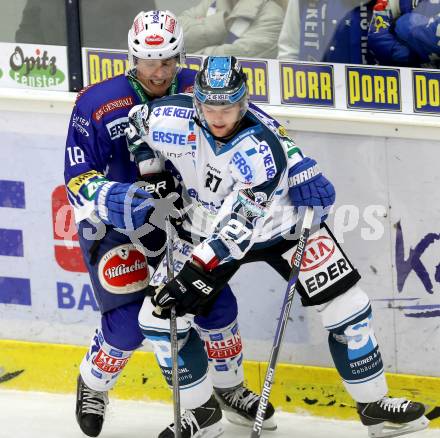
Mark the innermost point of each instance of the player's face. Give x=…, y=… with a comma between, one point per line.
x=221, y=119
x=156, y=74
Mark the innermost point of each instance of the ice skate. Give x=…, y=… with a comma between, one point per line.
x=90, y=408
x=204, y=421
x=391, y=417
x=241, y=404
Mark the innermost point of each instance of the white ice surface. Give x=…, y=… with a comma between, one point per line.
x=42, y=415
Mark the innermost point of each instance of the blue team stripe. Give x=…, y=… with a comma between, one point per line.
x=12, y=194
x=15, y=291
x=250, y=152
x=11, y=243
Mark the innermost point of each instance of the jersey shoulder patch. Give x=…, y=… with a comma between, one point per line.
x=104, y=97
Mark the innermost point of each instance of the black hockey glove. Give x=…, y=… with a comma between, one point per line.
x=190, y=291
x=159, y=185
x=163, y=187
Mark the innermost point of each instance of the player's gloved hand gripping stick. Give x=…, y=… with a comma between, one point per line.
x=282, y=322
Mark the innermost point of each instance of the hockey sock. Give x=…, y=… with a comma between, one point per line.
x=220, y=333
x=112, y=346
x=102, y=363
x=224, y=349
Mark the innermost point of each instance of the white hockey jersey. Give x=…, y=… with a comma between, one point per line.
x=237, y=192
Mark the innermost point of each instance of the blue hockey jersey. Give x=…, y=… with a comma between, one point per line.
x=96, y=148
x=412, y=39
x=334, y=30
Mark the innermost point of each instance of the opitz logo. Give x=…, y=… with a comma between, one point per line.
x=35, y=71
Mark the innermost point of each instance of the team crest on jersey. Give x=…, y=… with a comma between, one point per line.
x=123, y=270
x=255, y=204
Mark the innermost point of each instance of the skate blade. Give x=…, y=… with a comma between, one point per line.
x=212, y=431
x=237, y=419
x=389, y=430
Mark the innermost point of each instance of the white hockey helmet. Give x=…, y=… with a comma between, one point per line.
x=155, y=35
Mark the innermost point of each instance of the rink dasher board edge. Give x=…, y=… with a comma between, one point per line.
x=32, y=366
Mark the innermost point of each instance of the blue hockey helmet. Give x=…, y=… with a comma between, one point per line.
x=221, y=81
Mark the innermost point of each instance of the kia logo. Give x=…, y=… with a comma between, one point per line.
x=317, y=252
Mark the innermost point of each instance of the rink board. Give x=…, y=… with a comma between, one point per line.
x=386, y=216
x=300, y=389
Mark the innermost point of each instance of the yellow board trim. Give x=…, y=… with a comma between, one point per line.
x=32, y=366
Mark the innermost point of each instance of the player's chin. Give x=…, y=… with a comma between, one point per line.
x=219, y=131
x=158, y=88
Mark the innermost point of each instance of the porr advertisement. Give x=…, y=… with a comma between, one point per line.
x=314, y=85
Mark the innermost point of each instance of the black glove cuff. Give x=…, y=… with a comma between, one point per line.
x=198, y=279
x=159, y=184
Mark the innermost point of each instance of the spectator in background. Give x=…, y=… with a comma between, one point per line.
x=326, y=31
x=104, y=23
x=406, y=33
x=43, y=22
x=243, y=28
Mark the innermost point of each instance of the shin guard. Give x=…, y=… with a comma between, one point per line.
x=353, y=345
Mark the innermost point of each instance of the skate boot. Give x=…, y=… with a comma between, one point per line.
x=204, y=421
x=390, y=417
x=241, y=404
x=90, y=408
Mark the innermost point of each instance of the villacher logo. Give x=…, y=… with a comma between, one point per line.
x=39, y=70
x=123, y=270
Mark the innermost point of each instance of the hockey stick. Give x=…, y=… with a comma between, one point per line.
x=282, y=322
x=173, y=335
